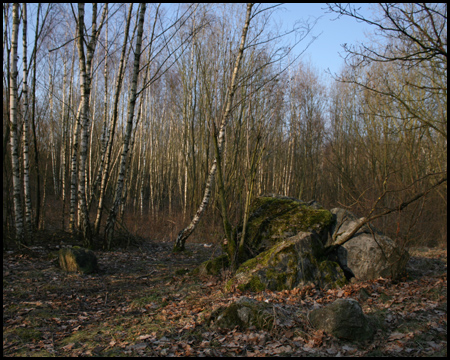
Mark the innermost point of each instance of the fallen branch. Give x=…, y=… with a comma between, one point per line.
x=364, y=220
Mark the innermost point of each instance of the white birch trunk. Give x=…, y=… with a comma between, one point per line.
x=104, y=135
x=109, y=231
x=73, y=172
x=18, y=217
x=52, y=136
x=110, y=139
x=84, y=122
x=69, y=147
x=185, y=233
x=64, y=140
x=85, y=64
x=144, y=156
x=44, y=198
x=26, y=163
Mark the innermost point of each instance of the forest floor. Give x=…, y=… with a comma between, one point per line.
x=143, y=303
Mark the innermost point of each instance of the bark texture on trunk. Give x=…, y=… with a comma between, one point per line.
x=186, y=232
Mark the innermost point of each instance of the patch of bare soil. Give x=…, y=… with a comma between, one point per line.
x=144, y=302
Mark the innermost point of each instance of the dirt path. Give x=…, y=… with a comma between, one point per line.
x=142, y=302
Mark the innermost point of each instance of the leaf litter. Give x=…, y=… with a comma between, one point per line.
x=144, y=303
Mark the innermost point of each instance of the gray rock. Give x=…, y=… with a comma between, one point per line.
x=286, y=240
x=372, y=256
x=78, y=259
x=345, y=223
x=290, y=263
x=247, y=312
x=276, y=218
x=368, y=254
x=212, y=267
x=344, y=319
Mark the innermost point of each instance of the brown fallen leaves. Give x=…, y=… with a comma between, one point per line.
x=137, y=306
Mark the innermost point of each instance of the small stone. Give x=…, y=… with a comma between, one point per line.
x=344, y=319
x=247, y=313
x=78, y=259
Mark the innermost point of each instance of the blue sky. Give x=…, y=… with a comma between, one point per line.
x=324, y=52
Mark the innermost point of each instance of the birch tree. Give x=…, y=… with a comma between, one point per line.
x=112, y=126
x=26, y=162
x=85, y=64
x=33, y=115
x=109, y=230
x=17, y=184
x=220, y=138
x=104, y=133
x=404, y=82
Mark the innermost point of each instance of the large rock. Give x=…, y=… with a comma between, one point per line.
x=212, y=267
x=286, y=247
x=78, y=259
x=368, y=254
x=246, y=312
x=344, y=319
x=275, y=218
x=345, y=221
x=290, y=263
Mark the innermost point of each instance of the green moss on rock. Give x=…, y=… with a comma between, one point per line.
x=285, y=246
x=212, y=267
x=258, y=261
x=288, y=264
x=78, y=259
x=253, y=285
x=332, y=275
x=273, y=219
x=244, y=313
x=344, y=319
x=229, y=284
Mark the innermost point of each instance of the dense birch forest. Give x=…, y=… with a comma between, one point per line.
x=165, y=121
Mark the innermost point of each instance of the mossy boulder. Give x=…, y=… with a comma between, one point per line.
x=288, y=245
x=275, y=218
x=293, y=262
x=247, y=312
x=285, y=245
x=213, y=266
x=78, y=259
x=344, y=319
